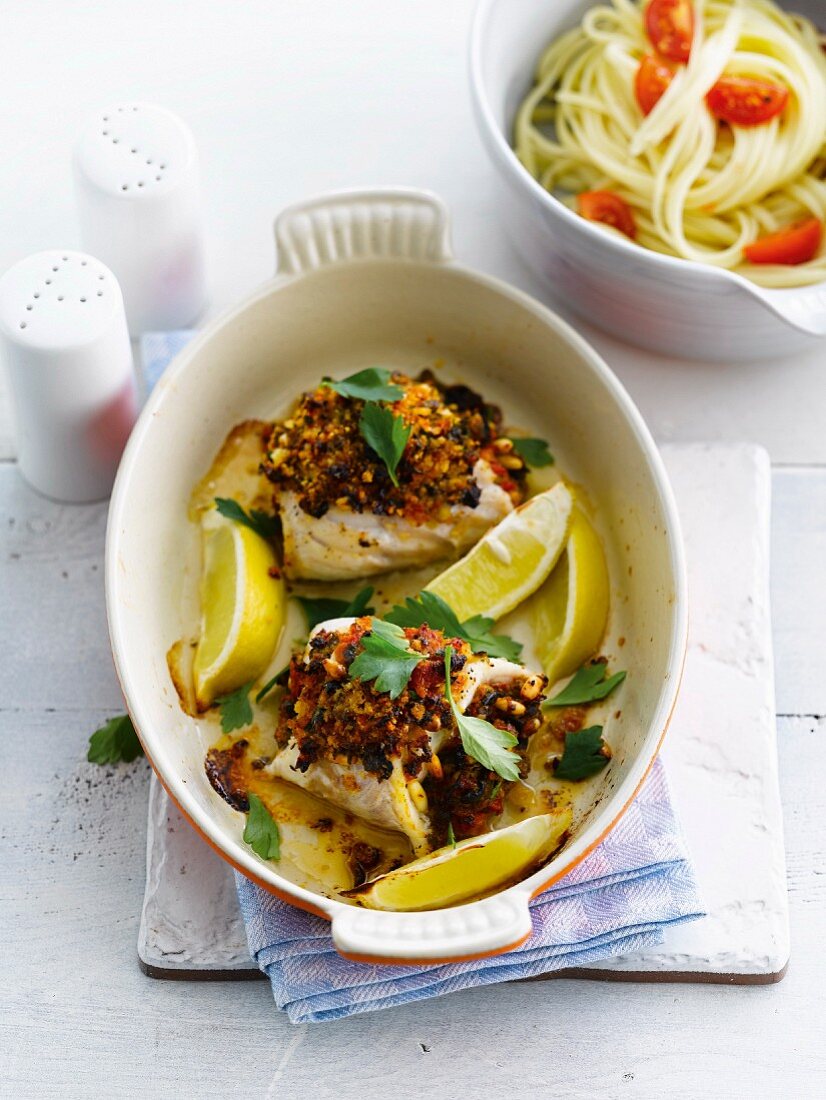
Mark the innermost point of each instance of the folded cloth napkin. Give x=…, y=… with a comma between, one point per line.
x=620, y=899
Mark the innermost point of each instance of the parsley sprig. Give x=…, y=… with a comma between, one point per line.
x=429, y=608
x=262, y=523
x=381, y=429
x=261, y=831
x=386, y=658
x=320, y=609
x=588, y=685
x=492, y=747
x=534, y=451
x=114, y=742
x=585, y=754
x=236, y=709
x=386, y=433
x=372, y=384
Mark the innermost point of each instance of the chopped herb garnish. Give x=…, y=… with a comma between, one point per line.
x=279, y=679
x=587, y=686
x=429, y=608
x=585, y=754
x=319, y=610
x=492, y=747
x=372, y=384
x=261, y=831
x=534, y=451
x=385, y=658
x=386, y=433
x=115, y=741
x=262, y=523
x=236, y=709
x=451, y=839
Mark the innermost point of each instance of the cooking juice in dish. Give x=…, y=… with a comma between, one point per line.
x=397, y=667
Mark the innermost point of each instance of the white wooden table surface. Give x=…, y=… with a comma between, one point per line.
x=288, y=99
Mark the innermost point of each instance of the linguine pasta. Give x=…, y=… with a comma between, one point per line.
x=698, y=188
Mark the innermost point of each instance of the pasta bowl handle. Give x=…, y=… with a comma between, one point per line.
x=394, y=223
x=475, y=930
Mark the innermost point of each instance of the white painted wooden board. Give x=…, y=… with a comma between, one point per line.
x=721, y=757
x=78, y=1019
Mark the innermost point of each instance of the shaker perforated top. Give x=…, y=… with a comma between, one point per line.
x=65, y=345
x=57, y=299
x=135, y=150
x=138, y=194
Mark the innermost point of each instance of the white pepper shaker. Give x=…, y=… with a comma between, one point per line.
x=138, y=196
x=65, y=344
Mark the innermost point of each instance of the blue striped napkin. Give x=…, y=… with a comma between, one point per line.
x=620, y=899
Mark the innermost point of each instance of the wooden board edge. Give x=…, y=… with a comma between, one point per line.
x=176, y=974
x=642, y=977
x=663, y=977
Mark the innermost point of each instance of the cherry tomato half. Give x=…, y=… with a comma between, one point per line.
x=652, y=79
x=796, y=245
x=607, y=207
x=744, y=101
x=670, y=26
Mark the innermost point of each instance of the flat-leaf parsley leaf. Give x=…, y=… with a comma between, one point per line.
x=236, y=709
x=492, y=747
x=585, y=754
x=386, y=433
x=372, y=384
x=320, y=609
x=116, y=740
x=262, y=523
x=429, y=608
x=385, y=658
x=534, y=451
x=587, y=686
x=261, y=831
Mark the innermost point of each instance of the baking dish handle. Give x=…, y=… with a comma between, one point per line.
x=445, y=935
x=394, y=223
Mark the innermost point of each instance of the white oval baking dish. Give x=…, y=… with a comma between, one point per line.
x=365, y=278
x=660, y=302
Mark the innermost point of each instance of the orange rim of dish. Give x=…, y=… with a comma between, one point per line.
x=301, y=903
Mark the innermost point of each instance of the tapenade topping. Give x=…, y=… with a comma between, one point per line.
x=333, y=716
x=467, y=796
x=319, y=453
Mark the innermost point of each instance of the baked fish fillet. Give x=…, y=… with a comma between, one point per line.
x=380, y=759
x=344, y=545
x=345, y=514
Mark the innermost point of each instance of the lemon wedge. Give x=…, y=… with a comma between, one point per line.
x=473, y=868
x=570, y=611
x=511, y=561
x=242, y=610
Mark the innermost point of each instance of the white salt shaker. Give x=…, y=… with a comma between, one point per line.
x=65, y=343
x=136, y=181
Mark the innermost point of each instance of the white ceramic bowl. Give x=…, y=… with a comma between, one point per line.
x=367, y=278
x=659, y=302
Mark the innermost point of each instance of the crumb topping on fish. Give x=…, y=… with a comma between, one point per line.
x=333, y=716
x=400, y=762
x=319, y=455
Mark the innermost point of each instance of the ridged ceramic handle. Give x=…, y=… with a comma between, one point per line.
x=481, y=928
x=397, y=223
